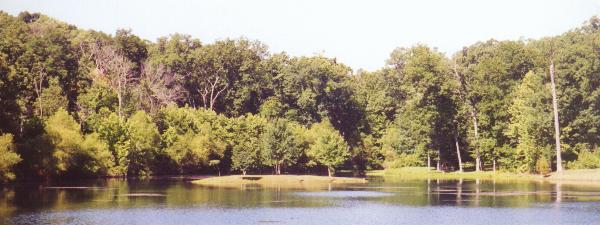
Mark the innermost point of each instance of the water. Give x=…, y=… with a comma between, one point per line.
x=384, y=200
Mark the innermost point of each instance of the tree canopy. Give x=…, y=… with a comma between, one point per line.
x=84, y=103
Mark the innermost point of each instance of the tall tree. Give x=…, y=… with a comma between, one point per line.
x=559, y=166
x=488, y=74
x=530, y=123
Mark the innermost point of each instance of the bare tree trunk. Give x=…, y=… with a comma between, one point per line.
x=278, y=169
x=494, y=164
x=460, y=166
x=120, y=99
x=476, y=130
x=38, y=90
x=329, y=171
x=428, y=162
x=556, y=124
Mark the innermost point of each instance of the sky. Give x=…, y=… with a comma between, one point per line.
x=360, y=34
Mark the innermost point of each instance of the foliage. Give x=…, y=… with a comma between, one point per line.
x=143, y=143
x=85, y=103
x=280, y=146
x=65, y=135
x=247, y=143
x=586, y=160
x=8, y=157
x=193, y=137
x=327, y=147
x=530, y=125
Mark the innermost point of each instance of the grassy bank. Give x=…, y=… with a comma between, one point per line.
x=583, y=175
x=279, y=181
x=424, y=173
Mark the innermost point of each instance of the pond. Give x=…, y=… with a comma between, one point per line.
x=384, y=200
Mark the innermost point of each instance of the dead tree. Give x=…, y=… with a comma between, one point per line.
x=556, y=124
x=212, y=84
x=158, y=87
x=112, y=67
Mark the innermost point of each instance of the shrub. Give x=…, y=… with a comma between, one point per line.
x=542, y=166
x=586, y=160
x=8, y=157
x=404, y=160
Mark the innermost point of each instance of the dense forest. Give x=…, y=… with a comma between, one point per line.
x=82, y=103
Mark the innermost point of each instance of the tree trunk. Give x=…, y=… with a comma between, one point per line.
x=244, y=172
x=556, y=124
x=494, y=164
x=38, y=90
x=120, y=99
x=329, y=171
x=460, y=167
x=428, y=162
x=476, y=129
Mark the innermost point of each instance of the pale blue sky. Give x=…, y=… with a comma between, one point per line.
x=360, y=34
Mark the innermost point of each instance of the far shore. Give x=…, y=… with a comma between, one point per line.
x=580, y=176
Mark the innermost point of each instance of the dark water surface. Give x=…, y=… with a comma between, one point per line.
x=384, y=200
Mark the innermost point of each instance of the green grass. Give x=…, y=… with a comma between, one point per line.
x=583, y=176
x=424, y=173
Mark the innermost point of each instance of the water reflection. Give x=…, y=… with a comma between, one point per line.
x=34, y=201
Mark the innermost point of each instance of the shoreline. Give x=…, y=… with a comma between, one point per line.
x=580, y=176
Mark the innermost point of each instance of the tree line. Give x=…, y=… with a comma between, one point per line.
x=82, y=103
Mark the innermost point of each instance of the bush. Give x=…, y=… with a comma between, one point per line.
x=542, y=166
x=404, y=160
x=586, y=160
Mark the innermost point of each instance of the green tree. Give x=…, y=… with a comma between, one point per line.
x=192, y=138
x=51, y=99
x=247, y=143
x=428, y=112
x=65, y=135
x=489, y=73
x=144, y=140
x=280, y=146
x=327, y=147
x=113, y=131
x=531, y=121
